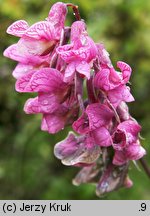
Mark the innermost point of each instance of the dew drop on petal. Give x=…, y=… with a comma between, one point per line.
x=45, y=102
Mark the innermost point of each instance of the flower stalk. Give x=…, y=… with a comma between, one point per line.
x=145, y=166
x=75, y=10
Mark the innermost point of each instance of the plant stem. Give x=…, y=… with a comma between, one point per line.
x=75, y=10
x=90, y=90
x=145, y=166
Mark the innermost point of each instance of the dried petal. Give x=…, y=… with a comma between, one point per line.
x=86, y=175
x=112, y=178
x=66, y=147
x=83, y=156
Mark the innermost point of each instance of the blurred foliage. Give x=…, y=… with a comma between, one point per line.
x=28, y=169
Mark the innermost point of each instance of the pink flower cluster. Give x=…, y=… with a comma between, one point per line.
x=54, y=61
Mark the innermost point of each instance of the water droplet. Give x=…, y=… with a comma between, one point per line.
x=45, y=102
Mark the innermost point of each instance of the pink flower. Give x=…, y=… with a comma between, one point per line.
x=53, y=62
x=113, y=83
x=42, y=80
x=56, y=100
x=123, y=111
x=73, y=151
x=95, y=123
x=126, y=143
x=34, y=49
x=80, y=54
x=56, y=115
x=103, y=57
x=112, y=178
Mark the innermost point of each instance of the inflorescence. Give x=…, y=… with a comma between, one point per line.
x=55, y=61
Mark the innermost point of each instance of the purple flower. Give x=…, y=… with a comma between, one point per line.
x=56, y=100
x=80, y=53
x=113, y=83
x=53, y=62
x=103, y=57
x=34, y=49
x=42, y=80
x=123, y=111
x=73, y=151
x=95, y=124
x=126, y=143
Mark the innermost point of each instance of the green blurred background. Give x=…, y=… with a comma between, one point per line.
x=28, y=168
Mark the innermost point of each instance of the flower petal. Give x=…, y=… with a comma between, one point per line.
x=66, y=147
x=43, y=80
x=49, y=103
x=120, y=158
x=87, y=174
x=44, y=126
x=83, y=156
x=12, y=53
x=53, y=123
x=131, y=128
x=32, y=106
x=119, y=140
x=42, y=30
x=81, y=48
x=81, y=125
x=102, y=137
x=72, y=151
x=22, y=69
x=78, y=28
x=83, y=68
x=135, y=151
x=57, y=16
x=99, y=115
x=103, y=55
x=107, y=79
x=18, y=28
x=123, y=111
x=26, y=52
x=23, y=82
x=119, y=94
x=111, y=179
x=46, y=80
x=69, y=72
x=126, y=71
